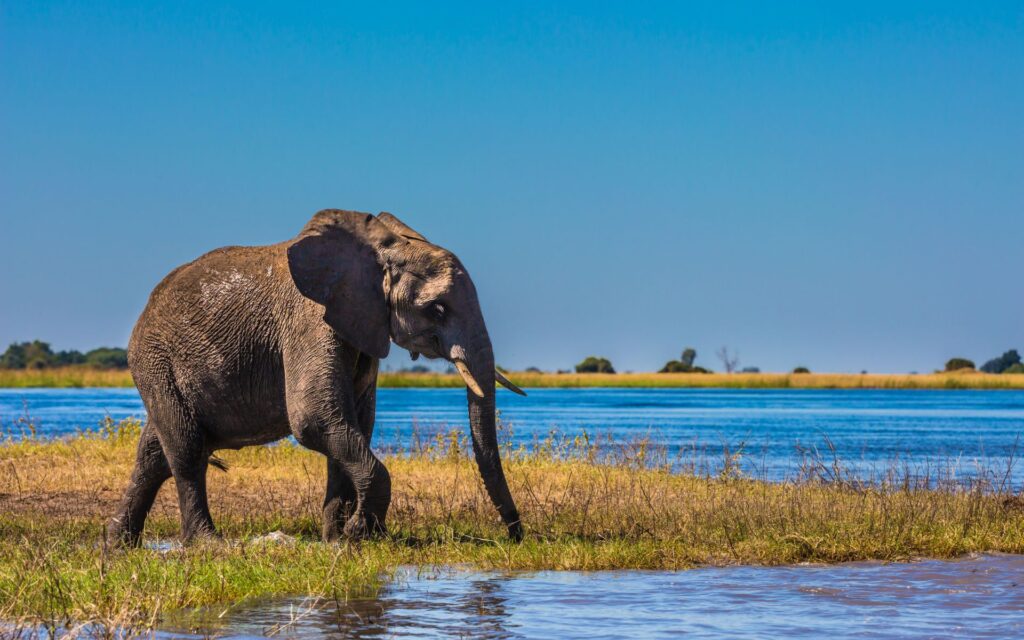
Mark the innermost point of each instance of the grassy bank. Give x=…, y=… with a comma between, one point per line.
x=628, y=511
x=973, y=380
x=65, y=377
x=86, y=377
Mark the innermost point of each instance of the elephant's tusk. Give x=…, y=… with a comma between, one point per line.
x=468, y=378
x=508, y=384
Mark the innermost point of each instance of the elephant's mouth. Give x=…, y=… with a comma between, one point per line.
x=434, y=349
x=425, y=343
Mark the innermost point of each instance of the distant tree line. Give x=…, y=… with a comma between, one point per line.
x=685, y=364
x=1009, y=362
x=38, y=355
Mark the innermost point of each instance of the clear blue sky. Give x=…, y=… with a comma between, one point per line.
x=836, y=187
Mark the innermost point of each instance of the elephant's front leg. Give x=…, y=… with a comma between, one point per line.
x=323, y=413
x=340, y=496
x=339, y=501
x=369, y=481
x=353, y=470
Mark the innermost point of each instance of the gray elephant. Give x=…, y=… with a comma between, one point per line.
x=248, y=345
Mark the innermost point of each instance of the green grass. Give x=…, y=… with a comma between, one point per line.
x=78, y=376
x=586, y=505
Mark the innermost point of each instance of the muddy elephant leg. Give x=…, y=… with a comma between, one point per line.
x=150, y=472
x=190, y=478
x=346, y=449
x=370, y=479
x=340, y=502
x=366, y=412
x=322, y=392
x=185, y=447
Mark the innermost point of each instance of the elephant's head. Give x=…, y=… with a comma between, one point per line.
x=379, y=281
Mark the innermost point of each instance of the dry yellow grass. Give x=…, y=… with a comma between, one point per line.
x=579, y=513
x=956, y=380
x=565, y=491
x=87, y=377
x=61, y=377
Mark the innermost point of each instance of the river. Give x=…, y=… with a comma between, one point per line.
x=869, y=431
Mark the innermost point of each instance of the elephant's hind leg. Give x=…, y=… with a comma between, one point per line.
x=184, y=444
x=150, y=472
x=189, y=461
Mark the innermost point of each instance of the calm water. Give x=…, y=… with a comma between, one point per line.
x=871, y=430
x=978, y=597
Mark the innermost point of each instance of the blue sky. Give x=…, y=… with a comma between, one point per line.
x=841, y=188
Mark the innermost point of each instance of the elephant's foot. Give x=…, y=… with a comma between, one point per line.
x=337, y=512
x=120, y=533
x=515, y=531
x=200, y=533
x=361, y=527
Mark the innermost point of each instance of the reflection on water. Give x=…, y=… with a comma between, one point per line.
x=980, y=596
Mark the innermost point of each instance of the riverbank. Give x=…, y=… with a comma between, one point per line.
x=585, y=506
x=76, y=377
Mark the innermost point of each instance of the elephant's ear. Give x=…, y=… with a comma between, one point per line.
x=333, y=262
x=398, y=227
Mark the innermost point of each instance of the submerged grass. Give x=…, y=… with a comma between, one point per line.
x=78, y=376
x=586, y=505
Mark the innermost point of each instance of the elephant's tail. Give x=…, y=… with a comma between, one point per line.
x=217, y=463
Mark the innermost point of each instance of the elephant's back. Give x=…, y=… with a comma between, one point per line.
x=208, y=316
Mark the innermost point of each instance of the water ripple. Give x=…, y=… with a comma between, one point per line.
x=979, y=597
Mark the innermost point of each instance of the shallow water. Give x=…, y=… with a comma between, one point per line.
x=976, y=597
x=870, y=429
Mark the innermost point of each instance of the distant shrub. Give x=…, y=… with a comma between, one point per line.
x=1016, y=368
x=594, y=364
x=107, y=358
x=27, y=355
x=750, y=370
x=63, y=358
x=533, y=370
x=956, y=364
x=801, y=370
x=416, y=368
x=675, y=366
x=1002, y=363
x=684, y=364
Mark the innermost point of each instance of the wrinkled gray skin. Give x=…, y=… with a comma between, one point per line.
x=248, y=345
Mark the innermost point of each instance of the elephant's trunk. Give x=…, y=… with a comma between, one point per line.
x=485, y=437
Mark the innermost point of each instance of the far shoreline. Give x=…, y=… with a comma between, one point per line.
x=83, y=377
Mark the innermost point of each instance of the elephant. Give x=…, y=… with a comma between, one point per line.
x=248, y=345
